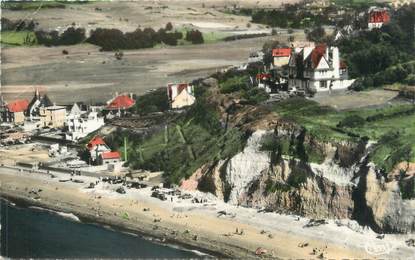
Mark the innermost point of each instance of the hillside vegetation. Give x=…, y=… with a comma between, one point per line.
x=209, y=131
x=391, y=127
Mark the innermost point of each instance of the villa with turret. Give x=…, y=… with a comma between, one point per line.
x=317, y=69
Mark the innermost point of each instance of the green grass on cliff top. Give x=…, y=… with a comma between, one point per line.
x=395, y=123
x=18, y=38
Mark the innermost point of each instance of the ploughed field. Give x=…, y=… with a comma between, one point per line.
x=86, y=74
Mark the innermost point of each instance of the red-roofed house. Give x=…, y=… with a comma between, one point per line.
x=109, y=157
x=96, y=147
x=119, y=104
x=180, y=95
x=377, y=18
x=317, y=69
x=281, y=56
x=14, y=112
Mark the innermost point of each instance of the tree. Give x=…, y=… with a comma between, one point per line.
x=72, y=36
x=169, y=26
x=317, y=34
x=194, y=36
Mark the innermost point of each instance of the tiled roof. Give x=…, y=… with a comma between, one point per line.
x=263, y=75
x=180, y=87
x=18, y=105
x=317, y=53
x=97, y=140
x=121, y=102
x=281, y=52
x=379, y=16
x=111, y=155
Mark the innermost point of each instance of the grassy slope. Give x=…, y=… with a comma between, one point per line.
x=322, y=123
x=193, y=139
x=16, y=38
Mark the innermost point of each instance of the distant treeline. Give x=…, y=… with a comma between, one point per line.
x=17, y=25
x=244, y=36
x=115, y=39
x=69, y=37
x=290, y=17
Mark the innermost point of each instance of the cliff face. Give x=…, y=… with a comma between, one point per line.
x=310, y=178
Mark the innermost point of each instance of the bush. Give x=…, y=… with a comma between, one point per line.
x=169, y=26
x=194, y=36
x=410, y=79
x=234, y=84
x=156, y=101
x=317, y=34
x=255, y=95
x=352, y=121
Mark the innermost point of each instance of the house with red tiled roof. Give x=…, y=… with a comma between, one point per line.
x=119, y=104
x=377, y=17
x=14, y=112
x=109, y=157
x=281, y=56
x=180, y=95
x=96, y=147
x=316, y=69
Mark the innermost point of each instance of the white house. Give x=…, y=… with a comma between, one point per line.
x=180, y=95
x=317, y=69
x=81, y=123
x=100, y=153
x=281, y=56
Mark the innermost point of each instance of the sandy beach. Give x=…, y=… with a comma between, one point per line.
x=199, y=224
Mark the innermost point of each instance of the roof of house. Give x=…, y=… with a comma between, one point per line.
x=97, y=140
x=316, y=54
x=44, y=101
x=263, y=75
x=75, y=110
x=281, y=52
x=379, y=16
x=121, y=102
x=18, y=105
x=180, y=87
x=110, y=155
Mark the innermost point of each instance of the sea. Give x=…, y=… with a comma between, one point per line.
x=29, y=232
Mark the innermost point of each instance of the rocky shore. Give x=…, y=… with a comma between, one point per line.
x=211, y=225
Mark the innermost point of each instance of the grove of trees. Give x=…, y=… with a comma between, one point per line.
x=385, y=55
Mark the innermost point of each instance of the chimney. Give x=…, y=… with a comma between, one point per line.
x=116, y=93
x=336, y=62
x=131, y=95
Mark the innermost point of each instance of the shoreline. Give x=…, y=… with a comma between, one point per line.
x=144, y=228
x=29, y=204
x=194, y=226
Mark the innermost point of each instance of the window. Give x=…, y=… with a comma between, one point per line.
x=323, y=84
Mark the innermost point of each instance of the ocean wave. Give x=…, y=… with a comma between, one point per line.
x=69, y=216
x=65, y=215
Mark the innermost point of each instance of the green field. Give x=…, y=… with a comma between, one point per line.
x=208, y=37
x=18, y=38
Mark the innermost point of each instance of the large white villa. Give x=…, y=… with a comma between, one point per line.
x=317, y=69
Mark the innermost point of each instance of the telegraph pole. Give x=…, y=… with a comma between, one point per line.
x=125, y=149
